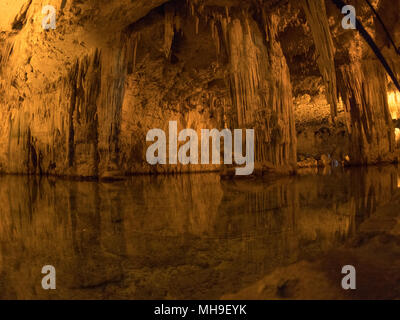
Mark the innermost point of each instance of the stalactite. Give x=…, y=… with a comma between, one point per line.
x=363, y=88
x=317, y=19
x=197, y=24
x=169, y=31
x=5, y=52
x=261, y=90
x=114, y=69
x=131, y=43
x=135, y=52
x=84, y=82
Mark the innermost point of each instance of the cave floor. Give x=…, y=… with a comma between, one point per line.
x=198, y=237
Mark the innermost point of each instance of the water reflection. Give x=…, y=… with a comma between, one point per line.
x=191, y=236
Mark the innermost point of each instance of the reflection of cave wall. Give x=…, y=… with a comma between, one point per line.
x=191, y=236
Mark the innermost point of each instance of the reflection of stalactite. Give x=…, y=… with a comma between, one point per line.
x=316, y=17
x=193, y=219
x=88, y=238
x=370, y=188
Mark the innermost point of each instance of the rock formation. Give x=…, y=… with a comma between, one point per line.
x=78, y=100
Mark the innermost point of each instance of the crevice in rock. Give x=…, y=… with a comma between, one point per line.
x=20, y=19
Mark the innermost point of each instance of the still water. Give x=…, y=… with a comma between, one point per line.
x=175, y=237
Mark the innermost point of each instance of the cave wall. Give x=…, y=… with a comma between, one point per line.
x=59, y=88
x=78, y=103
x=354, y=81
x=79, y=100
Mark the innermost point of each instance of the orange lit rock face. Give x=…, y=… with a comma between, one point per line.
x=372, y=131
x=51, y=82
x=78, y=100
x=79, y=103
